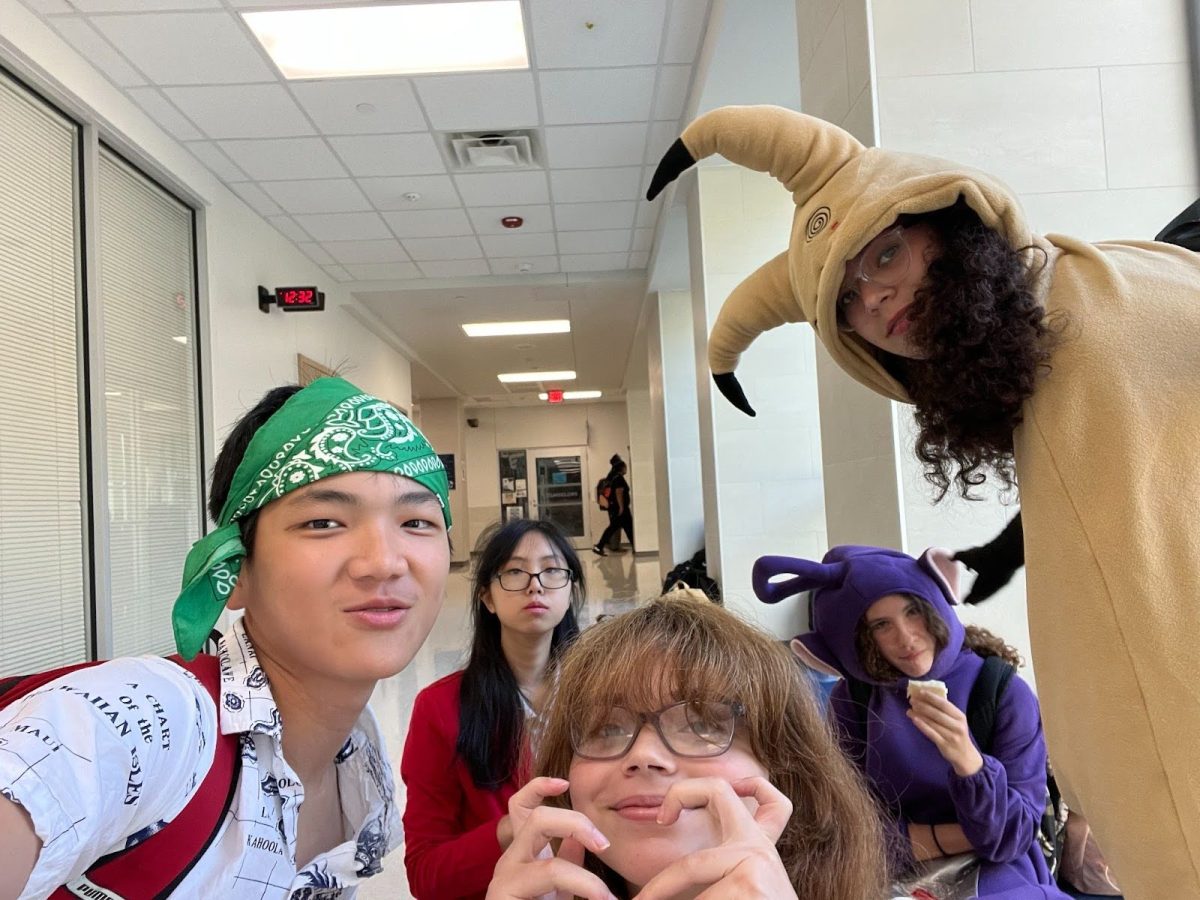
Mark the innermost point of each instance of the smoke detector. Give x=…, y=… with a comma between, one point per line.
x=492, y=150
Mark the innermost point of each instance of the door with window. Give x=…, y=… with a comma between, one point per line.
x=559, y=494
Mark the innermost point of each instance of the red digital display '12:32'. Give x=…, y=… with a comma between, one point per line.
x=299, y=298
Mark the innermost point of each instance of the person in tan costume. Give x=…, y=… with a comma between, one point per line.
x=1069, y=368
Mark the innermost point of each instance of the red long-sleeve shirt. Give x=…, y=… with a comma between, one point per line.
x=450, y=844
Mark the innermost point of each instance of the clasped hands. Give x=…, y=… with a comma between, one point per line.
x=745, y=864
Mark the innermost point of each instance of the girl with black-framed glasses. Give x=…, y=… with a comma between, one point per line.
x=467, y=751
x=682, y=753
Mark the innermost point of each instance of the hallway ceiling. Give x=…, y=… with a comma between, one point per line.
x=359, y=174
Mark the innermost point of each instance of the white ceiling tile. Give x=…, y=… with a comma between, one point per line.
x=241, y=111
x=333, y=105
x=494, y=189
x=672, y=94
x=187, y=48
x=316, y=253
x=501, y=245
x=593, y=262
x=595, y=146
x=344, y=226
x=643, y=240
x=487, y=219
x=591, y=185
x=289, y=229
x=320, y=195
x=639, y=260
x=621, y=34
x=50, y=7
x=162, y=111
x=278, y=159
x=391, y=154
x=338, y=273
x=533, y=265
x=661, y=136
x=428, y=223
x=109, y=6
x=455, y=268
x=689, y=18
x=475, y=102
x=578, y=96
x=264, y=4
x=366, y=251
x=436, y=192
x=608, y=241
x=255, y=198
x=96, y=50
x=216, y=160
x=384, y=271
x=443, y=248
x=592, y=216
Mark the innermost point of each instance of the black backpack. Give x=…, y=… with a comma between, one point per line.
x=694, y=573
x=603, y=493
x=981, y=709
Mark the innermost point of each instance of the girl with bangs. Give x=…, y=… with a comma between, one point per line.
x=683, y=752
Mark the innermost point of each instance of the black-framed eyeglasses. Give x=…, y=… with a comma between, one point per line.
x=694, y=728
x=549, y=579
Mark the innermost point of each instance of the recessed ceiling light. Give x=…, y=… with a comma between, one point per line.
x=511, y=377
x=500, y=329
x=393, y=40
x=575, y=395
x=180, y=338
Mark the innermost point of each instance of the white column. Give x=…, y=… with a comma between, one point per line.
x=643, y=479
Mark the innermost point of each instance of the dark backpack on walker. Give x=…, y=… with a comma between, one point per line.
x=981, y=709
x=603, y=493
x=154, y=867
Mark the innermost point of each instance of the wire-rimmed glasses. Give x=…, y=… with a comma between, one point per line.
x=695, y=728
x=549, y=579
x=884, y=261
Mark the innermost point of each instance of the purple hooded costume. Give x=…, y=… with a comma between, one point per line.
x=999, y=807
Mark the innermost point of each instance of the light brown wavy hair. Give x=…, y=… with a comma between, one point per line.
x=678, y=648
x=980, y=640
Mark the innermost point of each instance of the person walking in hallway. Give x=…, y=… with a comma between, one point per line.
x=620, y=518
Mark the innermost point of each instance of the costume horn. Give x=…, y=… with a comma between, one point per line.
x=803, y=153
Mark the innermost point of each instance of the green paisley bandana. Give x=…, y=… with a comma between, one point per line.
x=328, y=428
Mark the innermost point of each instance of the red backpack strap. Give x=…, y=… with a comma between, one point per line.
x=156, y=866
x=14, y=687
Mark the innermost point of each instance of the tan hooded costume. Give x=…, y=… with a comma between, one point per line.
x=1108, y=462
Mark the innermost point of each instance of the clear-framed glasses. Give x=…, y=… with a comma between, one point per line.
x=518, y=579
x=884, y=261
x=695, y=728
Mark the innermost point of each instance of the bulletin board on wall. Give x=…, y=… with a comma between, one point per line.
x=514, y=493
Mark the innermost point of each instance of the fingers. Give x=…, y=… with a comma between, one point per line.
x=723, y=800
x=774, y=808
x=729, y=871
x=545, y=823
x=531, y=796
x=548, y=876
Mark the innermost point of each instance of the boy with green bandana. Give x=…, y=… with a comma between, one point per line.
x=333, y=520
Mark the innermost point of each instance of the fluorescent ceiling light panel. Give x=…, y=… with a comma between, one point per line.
x=511, y=377
x=575, y=395
x=501, y=329
x=485, y=35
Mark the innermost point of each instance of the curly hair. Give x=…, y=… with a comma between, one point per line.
x=986, y=341
x=979, y=640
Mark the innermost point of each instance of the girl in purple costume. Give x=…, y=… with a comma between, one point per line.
x=882, y=617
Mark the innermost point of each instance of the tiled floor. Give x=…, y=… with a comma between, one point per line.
x=614, y=584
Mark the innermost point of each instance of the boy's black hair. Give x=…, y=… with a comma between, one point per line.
x=231, y=455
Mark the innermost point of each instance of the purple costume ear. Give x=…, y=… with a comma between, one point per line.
x=806, y=576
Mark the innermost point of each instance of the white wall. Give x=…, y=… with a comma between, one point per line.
x=643, y=481
x=249, y=352
x=444, y=423
x=601, y=428
x=762, y=476
x=672, y=366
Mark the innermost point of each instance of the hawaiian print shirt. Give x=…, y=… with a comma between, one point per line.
x=139, y=740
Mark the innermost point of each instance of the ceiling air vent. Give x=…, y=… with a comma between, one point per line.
x=493, y=150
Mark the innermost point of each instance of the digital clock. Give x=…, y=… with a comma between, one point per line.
x=291, y=299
